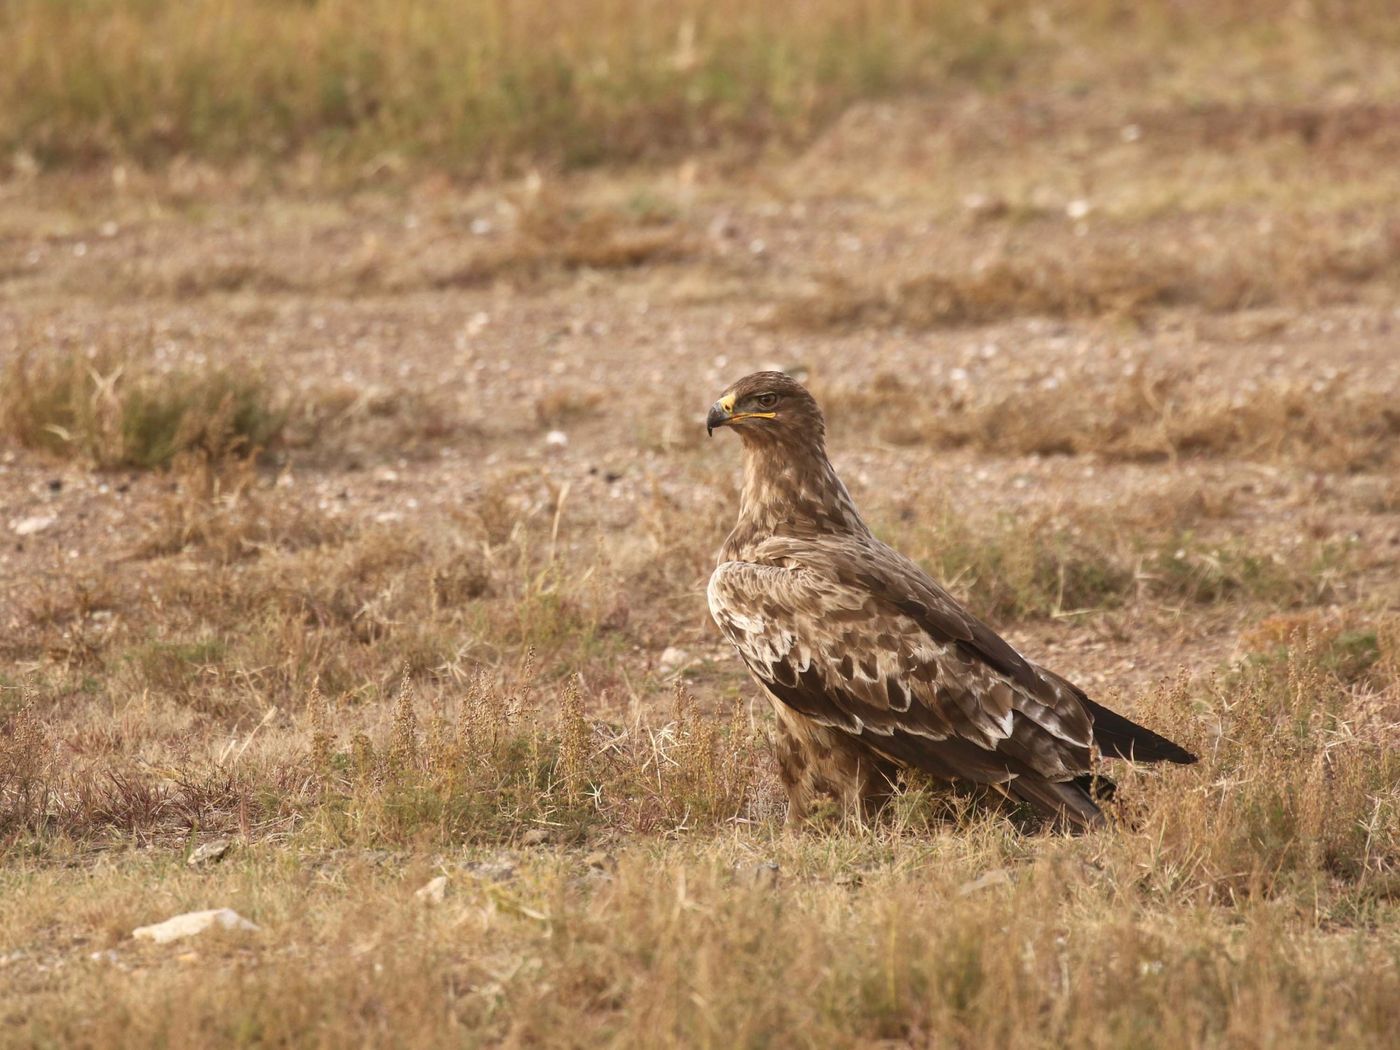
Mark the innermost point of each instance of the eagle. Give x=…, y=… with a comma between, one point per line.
x=871, y=666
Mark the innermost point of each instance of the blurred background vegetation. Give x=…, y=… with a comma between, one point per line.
x=482, y=85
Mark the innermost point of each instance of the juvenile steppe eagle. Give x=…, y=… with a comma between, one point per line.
x=871, y=665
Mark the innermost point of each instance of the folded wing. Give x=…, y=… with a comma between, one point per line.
x=855, y=636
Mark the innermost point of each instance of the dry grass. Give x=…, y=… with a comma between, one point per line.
x=1330, y=424
x=468, y=84
x=337, y=600
x=506, y=756
x=1247, y=899
x=484, y=83
x=1301, y=796
x=550, y=236
x=1125, y=274
x=674, y=949
x=262, y=592
x=537, y=236
x=116, y=409
x=119, y=405
x=625, y=877
x=1019, y=566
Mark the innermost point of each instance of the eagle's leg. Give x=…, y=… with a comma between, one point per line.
x=817, y=762
x=794, y=753
x=879, y=778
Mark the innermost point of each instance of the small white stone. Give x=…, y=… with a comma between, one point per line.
x=191, y=924
x=433, y=892
x=672, y=659
x=556, y=439
x=209, y=853
x=29, y=526
x=1077, y=209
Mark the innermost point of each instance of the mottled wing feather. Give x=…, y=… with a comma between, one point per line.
x=854, y=636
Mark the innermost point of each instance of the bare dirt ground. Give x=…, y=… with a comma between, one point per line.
x=1128, y=381
x=424, y=302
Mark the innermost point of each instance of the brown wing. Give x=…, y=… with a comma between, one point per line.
x=853, y=635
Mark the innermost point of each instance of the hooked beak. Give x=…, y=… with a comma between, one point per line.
x=721, y=412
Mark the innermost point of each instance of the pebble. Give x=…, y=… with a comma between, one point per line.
x=434, y=891
x=983, y=205
x=672, y=660
x=210, y=853
x=191, y=924
x=29, y=526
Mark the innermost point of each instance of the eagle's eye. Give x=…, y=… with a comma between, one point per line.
x=766, y=400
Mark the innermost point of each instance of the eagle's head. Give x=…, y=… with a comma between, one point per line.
x=769, y=407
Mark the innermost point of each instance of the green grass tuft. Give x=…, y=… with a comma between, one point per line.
x=116, y=411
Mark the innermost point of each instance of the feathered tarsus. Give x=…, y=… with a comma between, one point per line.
x=871, y=665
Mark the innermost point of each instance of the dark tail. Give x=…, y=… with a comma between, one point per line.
x=1120, y=737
